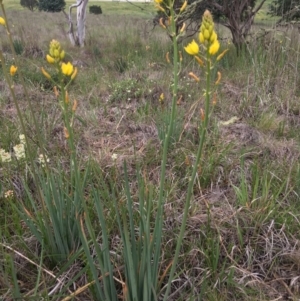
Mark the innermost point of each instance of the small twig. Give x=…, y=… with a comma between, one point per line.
x=32, y=262
x=83, y=288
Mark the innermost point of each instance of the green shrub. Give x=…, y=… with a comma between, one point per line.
x=18, y=46
x=95, y=9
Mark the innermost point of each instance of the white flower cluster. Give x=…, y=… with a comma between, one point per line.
x=19, y=150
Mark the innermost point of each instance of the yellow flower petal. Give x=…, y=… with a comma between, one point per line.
x=213, y=37
x=214, y=48
x=74, y=73
x=184, y=5
x=62, y=54
x=50, y=59
x=46, y=74
x=222, y=54
x=201, y=37
x=192, y=48
x=13, y=69
x=67, y=69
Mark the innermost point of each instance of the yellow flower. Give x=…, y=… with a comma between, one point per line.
x=214, y=48
x=13, y=69
x=158, y=1
x=2, y=21
x=192, y=48
x=67, y=69
x=50, y=59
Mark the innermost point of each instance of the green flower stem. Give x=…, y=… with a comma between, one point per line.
x=161, y=201
x=175, y=76
x=194, y=172
x=67, y=122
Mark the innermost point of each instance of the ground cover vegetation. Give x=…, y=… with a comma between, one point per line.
x=147, y=166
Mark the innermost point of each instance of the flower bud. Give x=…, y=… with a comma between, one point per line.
x=46, y=74
x=2, y=21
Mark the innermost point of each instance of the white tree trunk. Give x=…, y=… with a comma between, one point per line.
x=77, y=38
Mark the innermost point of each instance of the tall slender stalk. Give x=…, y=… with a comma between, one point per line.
x=211, y=45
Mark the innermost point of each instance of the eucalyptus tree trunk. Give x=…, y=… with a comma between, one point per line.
x=77, y=38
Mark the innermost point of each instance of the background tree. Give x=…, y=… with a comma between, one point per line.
x=77, y=38
x=52, y=5
x=30, y=4
x=236, y=15
x=288, y=10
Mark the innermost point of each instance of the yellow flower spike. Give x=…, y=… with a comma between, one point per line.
x=74, y=73
x=67, y=69
x=168, y=57
x=13, y=69
x=50, y=59
x=161, y=23
x=194, y=76
x=214, y=48
x=55, y=50
x=192, y=48
x=222, y=54
x=158, y=1
x=182, y=29
x=200, y=62
x=74, y=105
x=2, y=21
x=218, y=78
x=183, y=7
x=66, y=132
x=46, y=74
